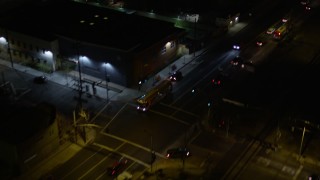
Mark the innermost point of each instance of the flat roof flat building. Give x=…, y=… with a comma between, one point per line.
x=52, y=33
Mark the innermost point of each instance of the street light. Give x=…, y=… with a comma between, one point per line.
x=9, y=49
x=80, y=78
x=107, y=80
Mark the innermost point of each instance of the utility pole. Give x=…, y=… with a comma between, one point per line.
x=80, y=78
x=75, y=127
x=9, y=49
x=107, y=81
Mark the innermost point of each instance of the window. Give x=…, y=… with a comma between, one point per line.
x=172, y=44
x=163, y=50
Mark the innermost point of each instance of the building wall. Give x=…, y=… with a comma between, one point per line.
x=153, y=59
x=28, y=50
x=93, y=59
x=124, y=67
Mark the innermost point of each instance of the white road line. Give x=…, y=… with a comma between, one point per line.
x=81, y=164
x=93, y=167
x=297, y=172
x=113, y=118
x=173, y=118
x=122, y=154
x=179, y=109
x=131, y=143
x=102, y=109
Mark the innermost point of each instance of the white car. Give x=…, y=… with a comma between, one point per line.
x=271, y=30
x=125, y=175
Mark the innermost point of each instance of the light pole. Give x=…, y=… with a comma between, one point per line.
x=80, y=78
x=9, y=49
x=107, y=81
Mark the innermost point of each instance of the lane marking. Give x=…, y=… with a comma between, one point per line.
x=93, y=167
x=179, y=109
x=131, y=143
x=173, y=118
x=122, y=154
x=114, y=117
x=298, y=172
x=80, y=164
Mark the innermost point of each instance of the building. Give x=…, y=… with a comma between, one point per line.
x=27, y=137
x=113, y=45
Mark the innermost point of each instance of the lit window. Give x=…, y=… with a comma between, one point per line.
x=172, y=44
x=163, y=50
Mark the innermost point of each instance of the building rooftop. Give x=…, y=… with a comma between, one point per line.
x=88, y=23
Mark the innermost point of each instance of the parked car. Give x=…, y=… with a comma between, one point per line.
x=40, y=79
x=181, y=152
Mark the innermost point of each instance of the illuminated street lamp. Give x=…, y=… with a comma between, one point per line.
x=80, y=78
x=9, y=49
x=107, y=80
